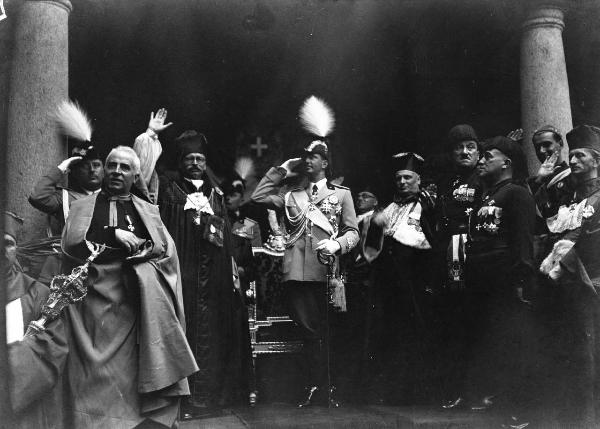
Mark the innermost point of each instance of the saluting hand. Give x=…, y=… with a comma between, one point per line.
x=548, y=166
x=129, y=240
x=328, y=246
x=516, y=135
x=157, y=123
x=289, y=165
x=66, y=164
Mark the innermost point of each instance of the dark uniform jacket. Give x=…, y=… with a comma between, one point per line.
x=335, y=215
x=455, y=196
x=501, y=233
x=49, y=193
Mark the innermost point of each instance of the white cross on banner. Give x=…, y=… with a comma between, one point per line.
x=2, y=12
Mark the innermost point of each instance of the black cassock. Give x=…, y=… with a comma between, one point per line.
x=203, y=243
x=401, y=305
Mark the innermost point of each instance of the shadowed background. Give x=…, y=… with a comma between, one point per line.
x=398, y=74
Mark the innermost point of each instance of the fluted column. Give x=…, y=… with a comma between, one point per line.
x=39, y=81
x=544, y=84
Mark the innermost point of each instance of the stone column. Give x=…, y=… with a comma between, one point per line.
x=544, y=84
x=39, y=81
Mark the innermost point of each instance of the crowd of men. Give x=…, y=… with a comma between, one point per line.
x=478, y=293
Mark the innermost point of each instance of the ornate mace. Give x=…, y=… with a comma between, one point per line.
x=65, y=290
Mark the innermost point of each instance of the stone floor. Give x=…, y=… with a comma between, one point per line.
x=279, y=415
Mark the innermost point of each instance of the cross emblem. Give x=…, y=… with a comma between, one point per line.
x=259, y=146
x=326, y=207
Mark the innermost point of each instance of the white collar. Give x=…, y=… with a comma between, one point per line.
x=196, y=182
x=320, y=184
x=360, y=217
x=92, y=192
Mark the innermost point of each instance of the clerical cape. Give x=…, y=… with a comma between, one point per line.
x=129, y=356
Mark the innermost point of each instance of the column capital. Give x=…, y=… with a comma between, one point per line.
x=546, y=13
x=65, y=4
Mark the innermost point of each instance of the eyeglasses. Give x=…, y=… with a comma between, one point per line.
x=365, y=195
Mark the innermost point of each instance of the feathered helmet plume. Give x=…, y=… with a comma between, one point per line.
x=318, y=120
x=73, y=122
x=244, y=168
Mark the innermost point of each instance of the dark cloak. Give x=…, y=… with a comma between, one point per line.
x=208, y=292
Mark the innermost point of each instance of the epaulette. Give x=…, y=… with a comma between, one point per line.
x=333, y=186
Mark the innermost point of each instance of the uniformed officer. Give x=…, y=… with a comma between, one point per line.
x=551, y=187
x=319, y=220
x=552, y=184
x=499, y=267
x=458, y=190
x=457, y=193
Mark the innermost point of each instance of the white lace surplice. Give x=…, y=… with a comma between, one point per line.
x=568, y=218
x=404, y=225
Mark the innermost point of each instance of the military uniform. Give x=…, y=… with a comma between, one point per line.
x=352, y=347
x=499, y=263
x=456, y=196
x=337, y=219
x=308, y=220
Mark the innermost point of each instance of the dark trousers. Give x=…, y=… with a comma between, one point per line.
x=581, y=398
x=497, y=328
x=350, y=339
x=307, y=306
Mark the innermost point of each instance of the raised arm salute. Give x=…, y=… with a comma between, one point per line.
x=319, y=217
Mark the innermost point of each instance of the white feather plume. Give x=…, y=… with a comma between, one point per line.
x=244, y=167
x=316, y=117
x=73, y=122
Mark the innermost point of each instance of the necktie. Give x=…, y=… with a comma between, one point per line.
x=315, y=192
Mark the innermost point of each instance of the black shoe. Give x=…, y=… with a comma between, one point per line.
x=310, y=396
x=484, y=405
x=194, y=412
x=456, y=404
